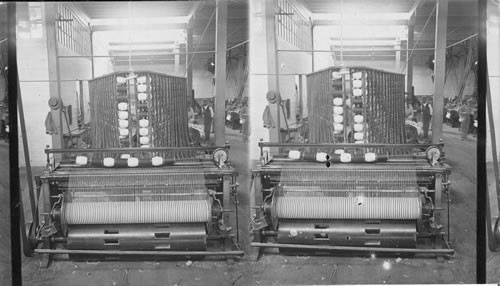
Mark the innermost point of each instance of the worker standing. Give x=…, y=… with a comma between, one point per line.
x=208, y=115
x=426, y=116
x=465, y=114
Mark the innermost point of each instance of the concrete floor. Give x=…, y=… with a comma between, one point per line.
x=492, y=258
x=277, y=270
x=5, y=261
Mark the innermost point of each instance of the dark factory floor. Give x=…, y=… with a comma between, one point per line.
x=274, y=269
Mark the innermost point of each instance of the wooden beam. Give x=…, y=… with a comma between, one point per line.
x=144, y=27
x=439, y=70
x=409, y=57
x=220, y=72
x=272, y=67
x=189, y=64
x=370, y=21
x=414, y=7
x=50, y=10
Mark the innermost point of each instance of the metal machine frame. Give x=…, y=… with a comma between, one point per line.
x=42, y=237
x=431, y=175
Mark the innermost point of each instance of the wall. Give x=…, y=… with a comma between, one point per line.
x=291, y=64
x=258, y=78
x=33, y=66
x=493, y=44
x=72, y=70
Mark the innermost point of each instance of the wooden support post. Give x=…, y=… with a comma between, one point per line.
x=272, y=67
x=189, y=64
x=439, y=70
x=50, y=10
x=409, y=57
x=92, y=64
x=229, y=220
x=220, y=72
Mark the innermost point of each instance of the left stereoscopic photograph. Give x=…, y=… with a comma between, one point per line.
x=5, y=246
x=132, y=134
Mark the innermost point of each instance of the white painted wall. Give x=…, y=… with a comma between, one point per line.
x=493, y=44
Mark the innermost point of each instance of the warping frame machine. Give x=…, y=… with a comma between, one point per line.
x=356, y=187
x=140, y=190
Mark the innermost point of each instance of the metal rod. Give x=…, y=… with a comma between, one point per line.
x=125, y=150
x=344, y=145
x=132, y=252
x=352, y=248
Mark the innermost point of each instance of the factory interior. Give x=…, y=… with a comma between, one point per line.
x=492, y=143
x=235, y=142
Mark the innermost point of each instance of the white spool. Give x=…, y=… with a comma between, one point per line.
x=357, y=75
x=345, y=157
x=339, y=151
x=144, y=146
x=124, y=156
x=142, y=96
x=357, y=83
x=143, y=123
x=357, y=92
x=359, y=142
x=81, y=160
x=358, y=118
x=358, y=127
x=141, y=80
x=123, y=106
x=338, y=118
x=121, y=80
x=336, y=75
x=321, y=157
x=338, y=127
x=338, y=110
x=108, y=162
x=123, y=115
x=294, y=154
x=143, y=131
x=123, y=132
x=123, y=123
x=370, y=157
x=132, y=162
x=338, y=101
x=358, y=135
x=144, y=140
x=157, y=161
x=142, y=88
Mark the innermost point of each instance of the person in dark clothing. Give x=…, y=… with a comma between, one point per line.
x=208, y=115
x=426, y=116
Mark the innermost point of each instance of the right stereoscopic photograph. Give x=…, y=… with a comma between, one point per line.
x=492, y=142
x=363, y=140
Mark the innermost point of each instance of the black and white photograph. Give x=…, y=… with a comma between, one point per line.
x=363, y=141
x=492, y=143
x=250, y=142
x=132, y=129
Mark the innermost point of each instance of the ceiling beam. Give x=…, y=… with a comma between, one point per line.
x=164, y=26
x=414, y=7
x=360, y=22
x=141, y=43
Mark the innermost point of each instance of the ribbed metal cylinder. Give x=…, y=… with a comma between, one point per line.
x=289, y=207
x=128, y=212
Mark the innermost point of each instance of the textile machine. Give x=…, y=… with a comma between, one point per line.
x=139, y=190
x=356, y=186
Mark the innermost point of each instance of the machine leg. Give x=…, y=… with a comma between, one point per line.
x=228, y=216
x=255, y=202
x=438, y=203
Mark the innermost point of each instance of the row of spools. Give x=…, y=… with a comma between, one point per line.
x=143, y=96
x=339, y=104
